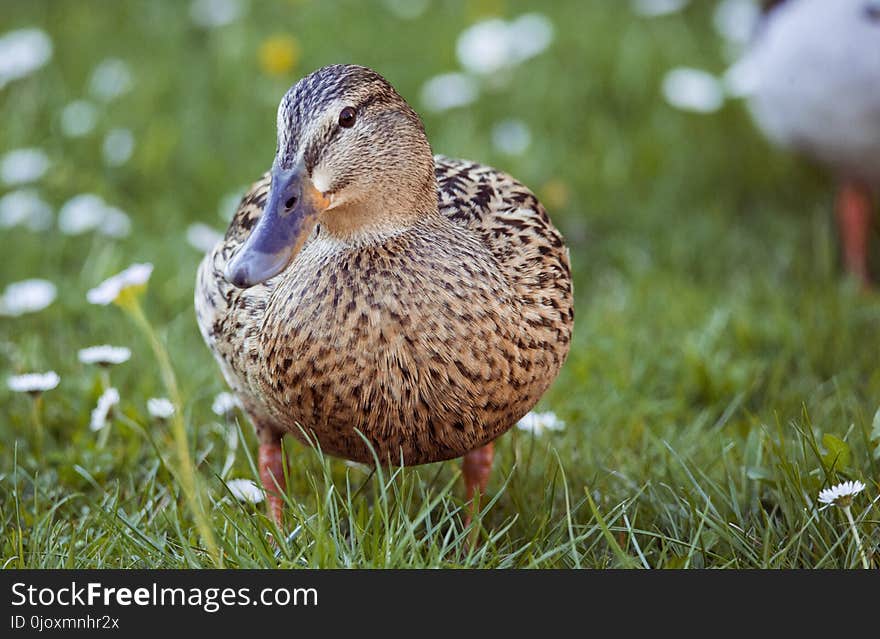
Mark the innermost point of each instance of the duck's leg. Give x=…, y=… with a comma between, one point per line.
x=271, y=466
x=854, y=221
x=476, y=467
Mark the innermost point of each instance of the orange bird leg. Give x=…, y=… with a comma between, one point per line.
x=477, y=466
x=854, y=222
x=271, y=465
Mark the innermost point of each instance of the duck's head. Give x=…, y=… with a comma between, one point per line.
x=351, y=155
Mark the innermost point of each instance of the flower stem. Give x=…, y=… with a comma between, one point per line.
x=104, y=433
x=105, y=378
x=855, y=532
x=186, y=469
x=37, y=419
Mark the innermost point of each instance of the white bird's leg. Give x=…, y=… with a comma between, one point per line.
x=854, y=221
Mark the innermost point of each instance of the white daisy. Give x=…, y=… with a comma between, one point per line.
x=448, y=91
x=529, y=35
x=245, y=490
x=511, y=137
x=483, y=47
x=111, y=79
x=490, y=46
x=27, y=296
x=224, y=403
x=116, y=223
x=89, y=212
x=215, y=13
x=841, y=494
x=741, y=78
x=27, y=208
x=228, y=204
x=406, y=9
x=202, y=237
x=100, y=413
x=160, y=407
x=33, y=383
x=81, y=213
x=22, y=52
x=104, y=355
x=21, y=166
x=107, y=291
x=537, y=423
x=78, y=119
x=735, y=20
x=654, y=8
x=118, y=147
x=693, y=90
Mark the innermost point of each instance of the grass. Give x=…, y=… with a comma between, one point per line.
x=722, y=371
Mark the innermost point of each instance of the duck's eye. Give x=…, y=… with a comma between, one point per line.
x=347, y=117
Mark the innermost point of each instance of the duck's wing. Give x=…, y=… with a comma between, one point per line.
x=513, y=225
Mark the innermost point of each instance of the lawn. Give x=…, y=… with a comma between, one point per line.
x=723, y=370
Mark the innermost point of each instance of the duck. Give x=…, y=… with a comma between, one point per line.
x=814, y=88
x=385, y=304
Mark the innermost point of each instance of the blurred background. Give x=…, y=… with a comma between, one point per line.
x=709, y=295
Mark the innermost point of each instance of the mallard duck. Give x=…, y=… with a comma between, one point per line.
x=380, y=302
x=815, y=88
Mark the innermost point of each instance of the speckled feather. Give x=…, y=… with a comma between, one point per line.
x=426, y=342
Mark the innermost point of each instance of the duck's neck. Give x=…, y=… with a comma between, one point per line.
x=377, y=218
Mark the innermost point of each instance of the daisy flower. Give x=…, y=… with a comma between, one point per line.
x=118, y=147
x=493, y=45
x=224, y=403
x=202, y=237
x=28, y=296
x=33, y=383
x=81, y=213
x=23, y=165
x=104, y=355
x=841, y=494
x=89, y=212
x=22, y=52
x=78, y=118
x=735, y=20
x=655, y=8
x=228, y=204
x=116, y=223
x=245, y=490
x=160, y=407
x=111, y=79
x=100, y=413
x=27, y=208
x=215, y=13
x=448, y=91
x=511, y=137
x=693, y=90
x=537, y=423
x=110, y=289
x=406, y=9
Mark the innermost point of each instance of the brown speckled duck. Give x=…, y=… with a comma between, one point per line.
x=369, y=295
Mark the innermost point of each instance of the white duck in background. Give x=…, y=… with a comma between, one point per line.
x=814, y=87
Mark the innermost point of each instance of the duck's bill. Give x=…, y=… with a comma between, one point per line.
x=290, y=214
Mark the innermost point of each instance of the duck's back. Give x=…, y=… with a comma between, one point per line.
x=427, y=345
